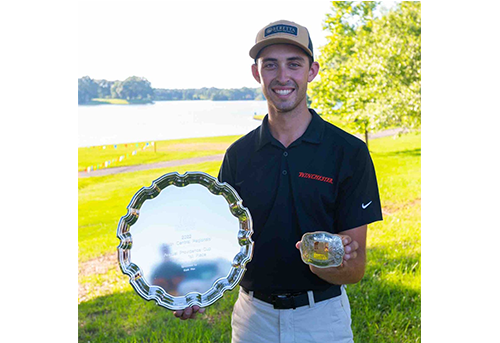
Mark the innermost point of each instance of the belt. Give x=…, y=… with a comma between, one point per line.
x=286, y=301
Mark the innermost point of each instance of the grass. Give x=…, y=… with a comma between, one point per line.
x=124, y=317
x=385, y=304
x=165, y=151
x=102, y=101
x=111, y=101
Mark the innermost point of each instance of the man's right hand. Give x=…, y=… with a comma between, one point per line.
x=189, y=312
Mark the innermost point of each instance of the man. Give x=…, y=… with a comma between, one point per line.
x=297, y=173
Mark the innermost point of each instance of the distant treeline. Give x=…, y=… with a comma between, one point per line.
x=133, y=88
x=209, y=94
x=139, y=88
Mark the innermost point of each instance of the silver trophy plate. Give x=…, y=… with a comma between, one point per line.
x=322, y=249
x=185, y=240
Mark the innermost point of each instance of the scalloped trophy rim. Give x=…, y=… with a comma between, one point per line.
x=219, y=286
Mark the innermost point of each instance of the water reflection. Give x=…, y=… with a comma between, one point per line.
x=168, y=274
x=113, y=124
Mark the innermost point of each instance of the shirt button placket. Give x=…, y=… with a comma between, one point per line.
x=285, y=172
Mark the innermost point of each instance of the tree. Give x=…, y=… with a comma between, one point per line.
x=133, y=88
x=87, y=90
x=116, y=90
x=139, y=88
x=104, y=88
x=370, y=75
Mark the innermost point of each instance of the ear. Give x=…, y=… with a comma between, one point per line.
x=313, y=71
x=255, y=73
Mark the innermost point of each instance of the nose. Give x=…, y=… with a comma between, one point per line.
x=282, y=76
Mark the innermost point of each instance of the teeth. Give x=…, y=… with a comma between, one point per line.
x=283, y=91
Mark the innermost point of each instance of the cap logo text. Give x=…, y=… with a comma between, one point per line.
x=271, y=30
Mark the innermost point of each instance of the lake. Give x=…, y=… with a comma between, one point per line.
x=163, y=120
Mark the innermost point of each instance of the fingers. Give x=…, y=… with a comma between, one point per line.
x=350, y=248
x=346, y=240
x=297, y=245
x=350, y=256
x=198, y=309
x=188, y=312
x=350, y=251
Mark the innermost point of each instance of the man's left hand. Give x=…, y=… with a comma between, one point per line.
x=352, y=268
x=350, y=248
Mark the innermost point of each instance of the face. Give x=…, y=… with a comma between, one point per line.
x=283, y=71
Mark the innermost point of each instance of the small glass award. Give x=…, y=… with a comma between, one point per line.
x=185, y=240
x=322, y=249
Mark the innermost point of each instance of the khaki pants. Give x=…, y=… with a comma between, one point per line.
x=255, y=321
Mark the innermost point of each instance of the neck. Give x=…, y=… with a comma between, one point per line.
x=287, y=127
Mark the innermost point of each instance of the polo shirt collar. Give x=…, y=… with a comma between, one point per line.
x=264, y=137
x=313, y=134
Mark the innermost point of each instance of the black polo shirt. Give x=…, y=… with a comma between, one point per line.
x=323, y=181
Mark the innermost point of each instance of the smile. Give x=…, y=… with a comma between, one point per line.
x=283, y=91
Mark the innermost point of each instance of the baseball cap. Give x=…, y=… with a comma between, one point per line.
x=282, y=32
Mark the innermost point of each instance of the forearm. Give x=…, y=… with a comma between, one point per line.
x=352, y=268
x=349, y=272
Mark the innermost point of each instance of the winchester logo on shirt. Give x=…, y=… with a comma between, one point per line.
x=316, y=177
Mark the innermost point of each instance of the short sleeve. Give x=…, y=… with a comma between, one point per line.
x=226, y=171
x=358, y=202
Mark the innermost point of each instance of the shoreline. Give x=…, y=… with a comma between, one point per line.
x=100, y=101
x=116, y=101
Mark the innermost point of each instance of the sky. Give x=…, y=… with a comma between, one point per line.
x=184, y=44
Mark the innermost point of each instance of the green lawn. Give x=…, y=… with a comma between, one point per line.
x=159, y=152
x=385, y=304
x=102, y=101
